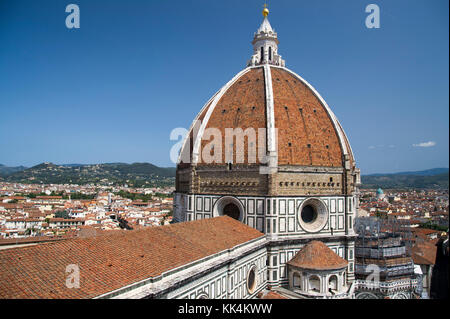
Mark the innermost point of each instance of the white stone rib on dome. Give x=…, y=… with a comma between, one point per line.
x=269, y=108
x=192, y=127
x=270, y=111
x=349, y=145
x=216, y=99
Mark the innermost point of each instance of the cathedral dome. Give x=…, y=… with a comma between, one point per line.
x=269, y=96
x=290, y=122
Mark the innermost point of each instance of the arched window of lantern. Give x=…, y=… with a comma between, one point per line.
x=270, y=53
x=333, y=284
x=262, y=54
x=314, y=283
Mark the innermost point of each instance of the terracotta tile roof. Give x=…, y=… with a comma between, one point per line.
x=111, y=261
x=425, y=231
x=48, y=197
x=66, y=219
x=11, y=206
x=152, y=209
x=272, y=295
x=316, y=255
x=424, y=253
x=25, y=240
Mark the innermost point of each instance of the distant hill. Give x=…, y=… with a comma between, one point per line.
x=6, y=170
x=149, y=175
x=136, y=174
x=436, y=178
x=428, y=172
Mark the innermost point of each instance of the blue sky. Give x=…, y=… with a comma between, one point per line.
x=113, y=90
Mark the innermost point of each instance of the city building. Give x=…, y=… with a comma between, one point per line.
x=380, y=194
x=384, y=267
x=424, y=256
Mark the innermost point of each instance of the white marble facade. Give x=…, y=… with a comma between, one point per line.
x=279, y=218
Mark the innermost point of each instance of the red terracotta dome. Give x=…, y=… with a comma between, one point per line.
x=269, y=96
x=317, y=256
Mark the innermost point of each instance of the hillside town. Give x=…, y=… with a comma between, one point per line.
x=30, y=212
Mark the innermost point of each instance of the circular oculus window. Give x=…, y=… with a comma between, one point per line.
x=228, y=206
x=313, y=215
x=251, y=280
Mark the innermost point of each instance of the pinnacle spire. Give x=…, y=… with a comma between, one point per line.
x=265, y=44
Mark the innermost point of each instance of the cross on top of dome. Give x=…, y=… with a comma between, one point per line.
x=265, y=44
